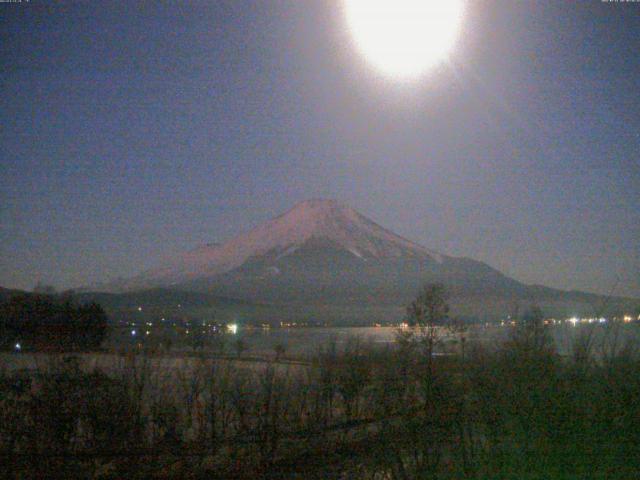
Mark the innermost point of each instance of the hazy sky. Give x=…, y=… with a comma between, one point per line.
x=130, y=132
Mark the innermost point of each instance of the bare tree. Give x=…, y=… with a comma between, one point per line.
x=241, y=347
x=279, y=350
x=428, y=313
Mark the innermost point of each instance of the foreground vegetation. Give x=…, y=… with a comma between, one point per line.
x=518, y=410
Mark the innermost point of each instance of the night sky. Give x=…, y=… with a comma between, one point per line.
x=131, y=132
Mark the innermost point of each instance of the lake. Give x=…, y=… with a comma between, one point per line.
x=304, y=341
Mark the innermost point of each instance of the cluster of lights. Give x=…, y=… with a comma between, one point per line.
x=231, y=328
x=288, y=324
x=575, y=320
x=508, y=322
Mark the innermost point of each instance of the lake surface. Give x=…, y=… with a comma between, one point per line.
x=306, y=341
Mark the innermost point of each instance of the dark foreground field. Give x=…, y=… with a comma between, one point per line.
x=356, y=411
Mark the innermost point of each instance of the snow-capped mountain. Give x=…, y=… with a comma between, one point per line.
x=309, y=221
x=316, y=242
x=324, y=252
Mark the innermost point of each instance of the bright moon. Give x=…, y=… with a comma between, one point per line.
x=403, y=38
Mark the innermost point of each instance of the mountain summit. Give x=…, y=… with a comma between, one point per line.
x=326, y=220
x=316, y=221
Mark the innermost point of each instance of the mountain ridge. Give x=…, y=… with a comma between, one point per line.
x=323, y=252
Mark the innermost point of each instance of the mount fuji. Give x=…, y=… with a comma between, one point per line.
x=325, y=253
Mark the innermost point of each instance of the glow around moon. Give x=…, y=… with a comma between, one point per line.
x=403, y=38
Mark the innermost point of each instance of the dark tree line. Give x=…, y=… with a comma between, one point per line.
x=48, y=322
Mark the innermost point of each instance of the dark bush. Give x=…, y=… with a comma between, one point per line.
x=47, y=322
